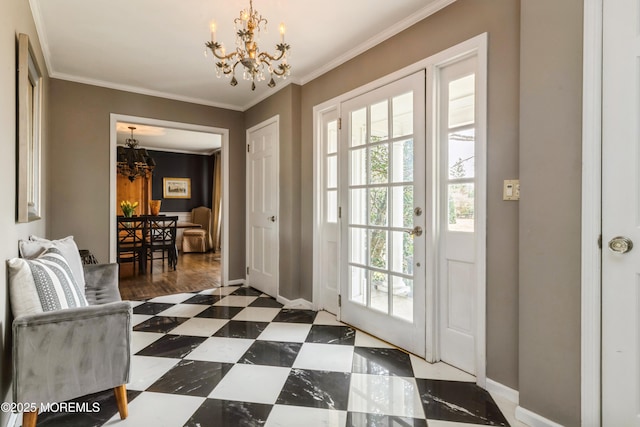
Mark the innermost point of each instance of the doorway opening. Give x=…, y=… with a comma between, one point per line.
x=180, y=145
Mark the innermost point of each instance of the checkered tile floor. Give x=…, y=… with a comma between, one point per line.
x=232, y=356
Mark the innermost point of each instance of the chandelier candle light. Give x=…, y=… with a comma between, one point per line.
x=256, y=64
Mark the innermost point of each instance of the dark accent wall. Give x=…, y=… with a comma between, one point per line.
x=198, y=168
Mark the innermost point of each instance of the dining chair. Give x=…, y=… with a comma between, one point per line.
x=131, y=242
x=161, y=237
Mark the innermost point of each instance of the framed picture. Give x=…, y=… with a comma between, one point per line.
x=176, y=188
x=29, y=131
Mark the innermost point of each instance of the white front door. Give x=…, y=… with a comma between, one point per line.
x=262, y=207
x=621, y=214
x=382, y=194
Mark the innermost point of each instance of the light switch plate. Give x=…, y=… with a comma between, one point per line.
x=511, y=189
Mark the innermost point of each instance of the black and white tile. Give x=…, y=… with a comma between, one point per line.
x=233, y=356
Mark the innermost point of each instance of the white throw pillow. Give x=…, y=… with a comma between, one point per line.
x=35, y=246
x=45, y=283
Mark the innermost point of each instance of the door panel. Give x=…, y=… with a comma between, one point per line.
x=620, y=214
x=383, y=169
x=262, y=206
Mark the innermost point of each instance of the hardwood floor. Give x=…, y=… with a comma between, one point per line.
x=195, y=272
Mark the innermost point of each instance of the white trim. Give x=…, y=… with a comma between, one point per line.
x=299, y=303
x=114, y=119
x=273, y=120
x=234, y=282
x=142, y=91
x=502, y=390
x=534, y=420
x=269, y=93
x=383, y=35
x=591, y=256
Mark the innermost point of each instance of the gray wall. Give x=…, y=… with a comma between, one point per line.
x=454, y=24
x=286, y=104
x=15, y=18
x=550, y=174
x=79, y=160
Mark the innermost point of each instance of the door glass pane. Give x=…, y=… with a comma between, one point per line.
x=358, y=214
x=462, y=154
x=402, y=168
x=401, y=252
x=402, y=303
x=358, y=166
x=378, y=249
x=332, y=137
x=332, y=206
x=461, y=207
x=358, y=127
x=403, y=115
x=358, y=246
x=379, y=164
x=380, y=121
x=332, y=172
x=378, y=206
x=402, y=206
x=358, y=285
x=462, y=101
x=379, y=291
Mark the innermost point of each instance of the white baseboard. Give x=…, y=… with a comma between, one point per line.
x=296, y=303
x=508, y=393
x=534, y=420
x=235, y=282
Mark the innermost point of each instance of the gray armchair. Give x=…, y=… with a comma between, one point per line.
x=65, y=354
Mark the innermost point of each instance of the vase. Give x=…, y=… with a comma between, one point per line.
x=154, y=205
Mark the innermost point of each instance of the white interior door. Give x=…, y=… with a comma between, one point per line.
x=621, y=214
x=457, y=278
x=329, y=234
x=382, y=195
x=262, y=207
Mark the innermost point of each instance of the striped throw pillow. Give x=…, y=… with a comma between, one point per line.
x=43, y=284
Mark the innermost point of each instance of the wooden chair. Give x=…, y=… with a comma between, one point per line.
x=161, y=237
x=131, y=241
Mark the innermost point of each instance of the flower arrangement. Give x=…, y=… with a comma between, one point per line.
x=128, y=208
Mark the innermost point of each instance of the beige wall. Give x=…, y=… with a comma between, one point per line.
x=79, y=172
x=454, y=24
x=550, y=174
x=286, y=104
x=15, y=18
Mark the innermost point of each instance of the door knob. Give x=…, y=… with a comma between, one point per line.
x=416, y=231
x=272, y=218
x=620, y=244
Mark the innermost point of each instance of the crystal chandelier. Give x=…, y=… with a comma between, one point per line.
x=256, y=64
x=134, y=162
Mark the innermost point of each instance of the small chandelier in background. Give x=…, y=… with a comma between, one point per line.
x=134, y=162
x=247, y=53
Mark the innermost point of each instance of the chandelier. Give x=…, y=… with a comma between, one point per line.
x=134, y=162
x=256, y=63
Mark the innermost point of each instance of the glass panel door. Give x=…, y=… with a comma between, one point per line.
x=383, y=196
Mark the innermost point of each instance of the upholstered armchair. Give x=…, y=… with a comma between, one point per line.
x=198, y=239
x=72, y=352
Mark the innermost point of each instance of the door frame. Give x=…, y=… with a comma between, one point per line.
x=224, y=133
x=478, y=44
x=591, y=256
x=273, y=120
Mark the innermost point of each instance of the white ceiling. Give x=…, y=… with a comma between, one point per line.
x=157, y=47
x=169, y=139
